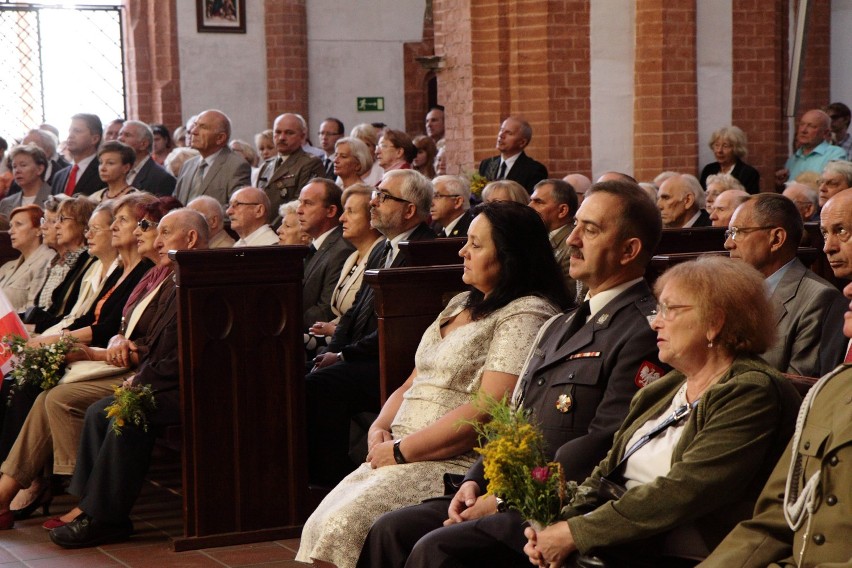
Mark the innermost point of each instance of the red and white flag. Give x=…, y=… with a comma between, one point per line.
x=10, y=324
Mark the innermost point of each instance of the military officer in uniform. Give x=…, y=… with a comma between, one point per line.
x=578, y=381
x=283, y=176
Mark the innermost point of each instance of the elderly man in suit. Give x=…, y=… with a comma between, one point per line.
x=803, y=516
x=249, y=213
x=765, y=232
x=146, y=174
x=283, y=176
x=84, y=138
x=723, y=208
x=451, y=206
x=214, y=214
x=681, y=202
x=345, y=379
x=111, y=469
x=556, y=203
x=217, y=172
x=319, y=216
x=513, y=163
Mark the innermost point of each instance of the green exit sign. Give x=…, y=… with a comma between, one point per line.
x=371, y=104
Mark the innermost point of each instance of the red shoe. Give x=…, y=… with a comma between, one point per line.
x=53, y=523
x=7, y=520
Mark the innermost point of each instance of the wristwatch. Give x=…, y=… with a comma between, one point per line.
x=502, y=507
x=397, y=453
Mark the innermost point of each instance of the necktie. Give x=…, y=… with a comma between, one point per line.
x=578, y=321
x=848, y=358
x=72, y=180
x=312, y=250
x=502, y=174
x=199, y=175
x=387, y=257
x=278, y=162
x=329, y=166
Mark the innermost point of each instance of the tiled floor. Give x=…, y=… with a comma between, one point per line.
x=157, y=518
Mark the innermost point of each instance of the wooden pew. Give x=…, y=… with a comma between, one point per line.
x=434, y=252
x=7, y=253
x=242, y=395
x=692, y=239
x=407, y=300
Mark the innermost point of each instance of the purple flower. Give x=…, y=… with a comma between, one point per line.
x=540, y=473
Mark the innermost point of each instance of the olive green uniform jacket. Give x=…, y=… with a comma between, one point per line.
x=729, y=444
x=826, y=541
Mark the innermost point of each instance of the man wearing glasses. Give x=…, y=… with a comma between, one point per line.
x=765, y=231
x=249, y=213
x=345, y=379
x=451, y=206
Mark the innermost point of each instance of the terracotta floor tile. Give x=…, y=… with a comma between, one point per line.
x=159, y=556
x=90, y=558
x=251, y=554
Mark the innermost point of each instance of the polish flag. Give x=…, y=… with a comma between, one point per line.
x=10, y=324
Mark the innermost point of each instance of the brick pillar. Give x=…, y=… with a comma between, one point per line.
x=151, y=62
x=525, y=57
x=286, y=30
x=666, y=102
x=760, y=79
x=417, y=76
x=815, y=85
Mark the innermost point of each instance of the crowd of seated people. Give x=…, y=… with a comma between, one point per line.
x=557, y=306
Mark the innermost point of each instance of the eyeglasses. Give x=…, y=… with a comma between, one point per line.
x=235, y=204
x=96, y=230
x=145, y=224
x=384, y=195
x=62, y=219
x=441, y=196
x=385, y=147
x=665, y=310
x=734, y=231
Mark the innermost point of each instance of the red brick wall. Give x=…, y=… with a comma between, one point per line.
x=760, y=75
x=665, y=104
x=152, y=68
x=286, y=32
x=417, y=77
x=524, y=57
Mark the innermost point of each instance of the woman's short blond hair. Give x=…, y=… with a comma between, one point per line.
x=733, y=135
x=515, y=190
x=720, y=286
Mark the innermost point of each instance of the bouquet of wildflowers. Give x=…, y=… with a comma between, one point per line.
x=40, y=365
x=132, y=404
x=477, y=183
x=516, y=466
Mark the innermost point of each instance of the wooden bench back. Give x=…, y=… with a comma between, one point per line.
x=434, y=252
x=242, y=394
x=692, y=239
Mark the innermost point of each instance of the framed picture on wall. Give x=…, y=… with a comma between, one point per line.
x=221, y=16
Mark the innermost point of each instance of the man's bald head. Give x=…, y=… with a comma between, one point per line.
x=835, y=222
x=180, y=229
x=726, y=203
x=580, y=183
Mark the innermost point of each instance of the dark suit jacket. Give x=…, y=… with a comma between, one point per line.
x=460, y=230
x=228, y=173
x=322, y=272
x=285, y=183
x=703, y=219
x=154, y=179
x=526, y=171
x=88, y=183
x=747, y=175
x=356, y=335
x=808, y=322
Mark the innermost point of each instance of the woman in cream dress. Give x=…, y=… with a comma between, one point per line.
x=478, y=344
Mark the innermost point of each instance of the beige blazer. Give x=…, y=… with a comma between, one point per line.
x=350, y=282
x=21, y=279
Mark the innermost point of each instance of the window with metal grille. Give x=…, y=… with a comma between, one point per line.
x=58, y=60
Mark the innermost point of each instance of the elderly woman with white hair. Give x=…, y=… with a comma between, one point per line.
x=369, y=135
x=353, y=160
x=729, y=148
x=836, y=176
x=505, y=190
x=716, y=184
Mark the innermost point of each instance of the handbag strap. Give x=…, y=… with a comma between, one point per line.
x=676, y=417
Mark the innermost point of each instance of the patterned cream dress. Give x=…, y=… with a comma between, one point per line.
x=449, y=372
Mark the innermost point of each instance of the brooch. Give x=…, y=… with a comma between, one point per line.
x=603, y=319
x=564, y=403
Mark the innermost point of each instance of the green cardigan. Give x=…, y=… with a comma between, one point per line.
x=729, y=445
